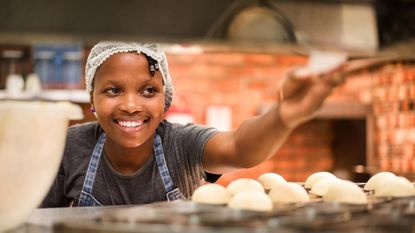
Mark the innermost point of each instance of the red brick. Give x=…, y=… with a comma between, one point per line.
x=203, y=70
x=273, y=72
x=183, y=59
x=226, y=85
x=225, y=59
x=258, y=84
x=179, y=70
x=291, y=60
x=260, y=59
x=245, y=71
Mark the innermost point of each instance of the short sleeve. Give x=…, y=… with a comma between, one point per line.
x=55, y=196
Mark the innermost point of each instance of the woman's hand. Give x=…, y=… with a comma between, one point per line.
x=305, y=89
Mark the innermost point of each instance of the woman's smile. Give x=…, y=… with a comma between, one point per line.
x=131, y=126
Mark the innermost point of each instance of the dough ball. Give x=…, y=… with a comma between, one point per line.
x=269, y=180
x=344, y=191
x=243, y=184
x=251, y=200
x=374, y=181
x=320, y=187
x=313, y=178
x=211, y=194
x=395, y=187
x=288, y=193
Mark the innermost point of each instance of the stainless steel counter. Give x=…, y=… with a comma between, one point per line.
x=386, y=216
x=43, y=220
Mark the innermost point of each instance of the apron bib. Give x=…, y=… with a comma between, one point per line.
x=86, y=198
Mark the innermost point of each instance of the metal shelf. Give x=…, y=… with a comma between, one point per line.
x=75, y=95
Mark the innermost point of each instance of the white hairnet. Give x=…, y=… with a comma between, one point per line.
x=103, y=50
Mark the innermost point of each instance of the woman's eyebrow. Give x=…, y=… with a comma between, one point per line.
x=110, y=81
x=147, y=80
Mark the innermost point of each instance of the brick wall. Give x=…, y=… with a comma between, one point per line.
x=241, y=81
x=245, y=81
x=394, y=109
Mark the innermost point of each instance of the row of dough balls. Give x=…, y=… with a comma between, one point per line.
x=333, y=189
x=252, y=194
x=387, y=184
x=382, y=184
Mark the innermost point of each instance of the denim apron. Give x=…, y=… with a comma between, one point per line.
x=86, y=198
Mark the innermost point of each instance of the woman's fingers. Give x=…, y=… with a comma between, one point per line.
x=300, y=79
x=335, y=77
x=304, y=89
x=293, y=84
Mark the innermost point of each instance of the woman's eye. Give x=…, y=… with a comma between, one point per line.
x=149, y=91
x=113, y=91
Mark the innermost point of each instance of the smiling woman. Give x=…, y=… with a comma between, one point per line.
x=120, y=159
x=130, y=155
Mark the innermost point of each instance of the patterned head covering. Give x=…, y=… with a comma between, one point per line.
x=103, y=50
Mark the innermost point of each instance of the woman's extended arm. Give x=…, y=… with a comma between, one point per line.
x=258, y=138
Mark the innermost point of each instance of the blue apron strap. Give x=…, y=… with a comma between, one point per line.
x=86, y=198
x=173, y=193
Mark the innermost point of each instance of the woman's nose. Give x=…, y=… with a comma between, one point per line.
x=130, y=103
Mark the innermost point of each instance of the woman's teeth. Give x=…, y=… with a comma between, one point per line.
x=130, y=124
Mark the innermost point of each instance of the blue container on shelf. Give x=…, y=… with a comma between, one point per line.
x=58, y=65
x=44, y=66
x=71, y=68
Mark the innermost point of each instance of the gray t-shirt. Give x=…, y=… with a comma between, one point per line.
x=183, y=147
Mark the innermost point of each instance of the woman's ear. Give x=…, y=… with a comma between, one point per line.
x=91, y=100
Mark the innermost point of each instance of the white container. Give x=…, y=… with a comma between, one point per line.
x=32, y=139
x=33, y=84
x=14, y=84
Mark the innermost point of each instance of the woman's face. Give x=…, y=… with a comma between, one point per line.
x=128, y=101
